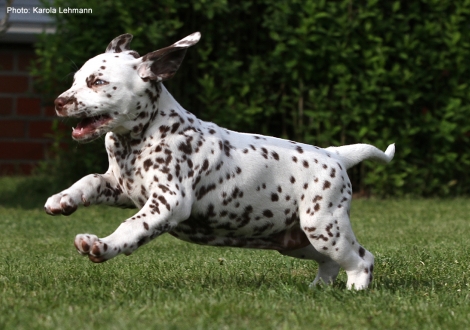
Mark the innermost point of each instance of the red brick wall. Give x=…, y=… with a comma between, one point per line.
x=25, y=119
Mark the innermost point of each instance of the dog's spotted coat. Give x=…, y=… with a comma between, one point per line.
x=202, y=183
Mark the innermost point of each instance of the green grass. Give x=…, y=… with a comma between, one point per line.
x=422, y=271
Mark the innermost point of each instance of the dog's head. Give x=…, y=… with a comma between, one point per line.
x=109, y=90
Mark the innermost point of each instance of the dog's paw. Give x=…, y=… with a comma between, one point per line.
x=93, y=247
x=84, y=242
x=65, y=203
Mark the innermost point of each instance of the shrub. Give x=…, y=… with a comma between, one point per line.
x=320, y=72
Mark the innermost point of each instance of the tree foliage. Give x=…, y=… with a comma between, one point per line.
x=320, y=72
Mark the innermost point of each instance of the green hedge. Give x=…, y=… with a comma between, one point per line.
x=321, y=72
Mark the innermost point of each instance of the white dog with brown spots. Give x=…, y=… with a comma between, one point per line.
x=200, y=182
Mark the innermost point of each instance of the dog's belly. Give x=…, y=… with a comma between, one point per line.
x=217, y=234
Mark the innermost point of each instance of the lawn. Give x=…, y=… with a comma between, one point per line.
x=421, y=273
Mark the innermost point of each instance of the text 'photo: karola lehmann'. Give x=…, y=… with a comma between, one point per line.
x=50, y=10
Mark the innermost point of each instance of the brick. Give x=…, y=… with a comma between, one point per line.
x=6, y=106
x=40, y=129
x=49, y=111
x=13, y=84
x=24, y=61
x=17, y=168
x=28, y=106
x=12, y=129
x=14, y=150
x=6, y=62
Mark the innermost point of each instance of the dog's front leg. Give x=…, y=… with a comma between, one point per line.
x=91, y=189
x=158, y=216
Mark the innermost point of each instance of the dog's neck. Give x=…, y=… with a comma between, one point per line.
x=158, y=114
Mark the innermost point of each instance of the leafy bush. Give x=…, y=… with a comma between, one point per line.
x=320, y=72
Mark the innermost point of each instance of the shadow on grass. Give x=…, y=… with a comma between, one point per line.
x=28, y=192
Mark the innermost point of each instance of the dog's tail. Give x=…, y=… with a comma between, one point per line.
x=353, y=154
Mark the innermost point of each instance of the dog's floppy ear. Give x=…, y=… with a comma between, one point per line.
x=119, y=44
x=162, y=64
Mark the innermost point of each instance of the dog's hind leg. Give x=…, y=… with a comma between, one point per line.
x=328, y=269
x=331, y=235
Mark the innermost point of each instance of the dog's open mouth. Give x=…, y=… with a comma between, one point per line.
x=88, y=127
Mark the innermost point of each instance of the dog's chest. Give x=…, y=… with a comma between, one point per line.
x=156, y=165
x=127, y=162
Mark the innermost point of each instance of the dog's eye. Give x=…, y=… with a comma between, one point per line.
x=99, y=82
